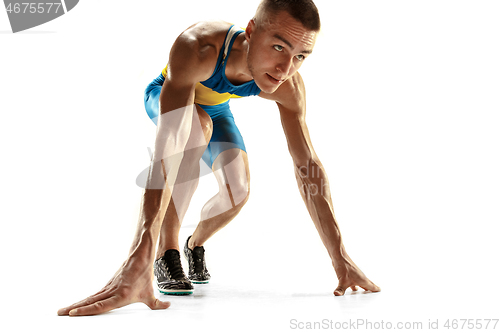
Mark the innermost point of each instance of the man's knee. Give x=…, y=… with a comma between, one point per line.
x=239, y=192
x=232, y=172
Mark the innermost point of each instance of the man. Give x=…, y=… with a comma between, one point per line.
x=209, y=63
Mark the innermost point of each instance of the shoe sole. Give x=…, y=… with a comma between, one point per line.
x=199, y=282
x=180, y=292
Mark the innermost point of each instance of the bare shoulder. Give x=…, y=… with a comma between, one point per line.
x=290, y=95
x=194, y=53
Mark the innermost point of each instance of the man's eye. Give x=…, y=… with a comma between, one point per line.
x=278, y=48
x=300, y=57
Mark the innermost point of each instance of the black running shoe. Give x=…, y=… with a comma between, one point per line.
x=170, y=277
x=196, y=258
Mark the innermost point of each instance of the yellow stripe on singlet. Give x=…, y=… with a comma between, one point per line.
x=206, y=96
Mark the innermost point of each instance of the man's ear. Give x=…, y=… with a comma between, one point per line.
x=250, y=28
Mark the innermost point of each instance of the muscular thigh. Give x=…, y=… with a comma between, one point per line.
x=225, y=134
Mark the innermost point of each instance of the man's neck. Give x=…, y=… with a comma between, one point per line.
x=237, y=70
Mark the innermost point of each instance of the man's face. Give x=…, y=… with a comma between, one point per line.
x=278, y=45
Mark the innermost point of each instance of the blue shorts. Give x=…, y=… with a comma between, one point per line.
x=225, y=134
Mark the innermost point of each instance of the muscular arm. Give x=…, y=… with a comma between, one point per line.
x=313, y=184
x=190, y=61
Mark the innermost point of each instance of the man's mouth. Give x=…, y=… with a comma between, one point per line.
x=273, y=79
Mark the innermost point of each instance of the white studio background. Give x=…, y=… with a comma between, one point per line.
x=403, y=104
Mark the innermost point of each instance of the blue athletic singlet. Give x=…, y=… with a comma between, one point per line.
x=213, y=96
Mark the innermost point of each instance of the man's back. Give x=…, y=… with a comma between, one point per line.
x=222, y=84
x=206, y=39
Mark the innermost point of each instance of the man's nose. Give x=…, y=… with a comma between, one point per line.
x=284, y=66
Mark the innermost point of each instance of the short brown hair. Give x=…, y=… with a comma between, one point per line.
x=304, y=11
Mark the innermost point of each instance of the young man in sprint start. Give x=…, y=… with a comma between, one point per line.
x=210, y=63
